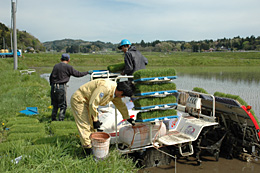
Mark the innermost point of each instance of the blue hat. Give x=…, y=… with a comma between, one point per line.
x=124, y=42
x=65, y=57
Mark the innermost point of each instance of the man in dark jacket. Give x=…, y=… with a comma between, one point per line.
x=59, y=77
x=134, y=60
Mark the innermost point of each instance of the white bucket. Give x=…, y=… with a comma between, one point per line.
x=100, y=144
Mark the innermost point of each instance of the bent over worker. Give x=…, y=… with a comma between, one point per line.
x=59, y=77
x=85, y=101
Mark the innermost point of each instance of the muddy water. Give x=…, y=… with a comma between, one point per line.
x=208, y=165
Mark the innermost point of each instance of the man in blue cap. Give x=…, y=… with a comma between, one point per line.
x=59, y=77
x=134, y=60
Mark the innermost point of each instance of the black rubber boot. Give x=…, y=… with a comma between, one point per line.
x=54, y=114
x=87, y=151
x=62, y=114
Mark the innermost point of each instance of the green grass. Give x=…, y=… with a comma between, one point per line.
x=45, y=146
x=85, y=62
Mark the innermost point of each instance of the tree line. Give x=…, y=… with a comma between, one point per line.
x=235, y=44
x=26, y=41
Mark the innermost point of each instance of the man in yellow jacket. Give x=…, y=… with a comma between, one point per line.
x=85, y=101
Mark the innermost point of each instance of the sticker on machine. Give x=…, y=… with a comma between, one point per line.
x=189, y=130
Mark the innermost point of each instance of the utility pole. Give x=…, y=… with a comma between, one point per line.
x=14, y=35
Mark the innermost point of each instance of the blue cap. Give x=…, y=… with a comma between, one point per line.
x=65, y=57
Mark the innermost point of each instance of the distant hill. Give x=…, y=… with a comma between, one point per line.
x=75, y=46
x=24, y=40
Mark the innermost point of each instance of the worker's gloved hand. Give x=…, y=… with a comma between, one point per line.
x=131, y=121
x=97, y=124
x=90, y=71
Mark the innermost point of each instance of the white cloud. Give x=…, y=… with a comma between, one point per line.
x=149, y=20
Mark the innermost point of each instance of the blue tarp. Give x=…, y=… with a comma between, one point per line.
x=30, y=111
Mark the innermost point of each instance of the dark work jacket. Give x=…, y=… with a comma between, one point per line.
x=134, y=61
x=61, y=73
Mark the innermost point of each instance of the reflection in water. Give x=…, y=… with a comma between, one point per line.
x=249, y=91
x=235, y=74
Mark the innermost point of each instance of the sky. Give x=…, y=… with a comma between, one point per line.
x=135, y=20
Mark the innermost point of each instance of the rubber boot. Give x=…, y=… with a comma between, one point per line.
x=62, y=114
x=54, y=114
x=87, y=151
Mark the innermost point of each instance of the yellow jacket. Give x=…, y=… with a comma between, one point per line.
x=100, y=92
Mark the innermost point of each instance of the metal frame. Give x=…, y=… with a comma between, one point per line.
x=213, y=104
x=117, y=78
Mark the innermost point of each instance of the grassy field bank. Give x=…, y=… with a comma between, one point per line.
x=42, y=145
x=101, y=61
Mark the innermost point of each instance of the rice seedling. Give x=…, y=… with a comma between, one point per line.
x=159, y=72
x=61, y=132
x=116, y=67
x=63, y=127
x=27, y=128
x=50, y=140
x=156, y=114
x=237, y=98
x=200, y=90
x=152, y=87
x=21, y=120
x=150, y=101
x=26, y=136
